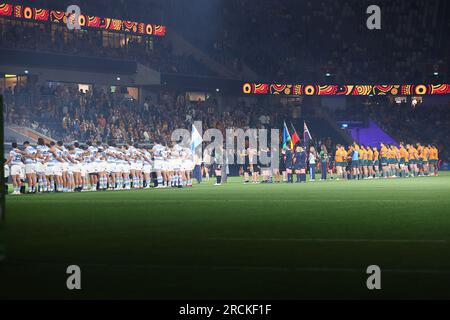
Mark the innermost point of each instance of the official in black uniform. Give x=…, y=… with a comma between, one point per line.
x=300, y=164
x=289, y=165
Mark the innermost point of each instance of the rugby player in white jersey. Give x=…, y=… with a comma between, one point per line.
x=93, y=167
x=120, y=169
x=102, y=167
x=30, y=155
x=187, y=167
x=62, y=166
x=175, y=166
x=147, y=167
x=41, y=164
x=53, y=170
x=139, y=164
x=68, y=180
x=111, y=159
x=132, y=156
x=158, y=164
x=139, y=167
x=77, y=155
x=167, y=169
x=67, y=166
x=87, y=168
x=14, y=160
x=125, y=167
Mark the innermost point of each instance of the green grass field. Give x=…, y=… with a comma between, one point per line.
x=233, y=241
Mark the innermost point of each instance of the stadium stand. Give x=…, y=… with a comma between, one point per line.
x=313, y=40
x=243, y=44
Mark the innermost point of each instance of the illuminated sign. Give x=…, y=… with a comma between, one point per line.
x=345, y=90
x=86, y=21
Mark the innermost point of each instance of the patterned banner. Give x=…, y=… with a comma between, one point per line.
x=55, y=16
x=347, y=90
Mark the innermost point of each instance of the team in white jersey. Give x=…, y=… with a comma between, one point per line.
x=55, y=167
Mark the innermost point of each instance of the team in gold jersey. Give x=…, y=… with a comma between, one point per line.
x=388, y=161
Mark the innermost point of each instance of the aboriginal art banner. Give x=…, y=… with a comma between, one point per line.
x=345, y=90
x=28, y=13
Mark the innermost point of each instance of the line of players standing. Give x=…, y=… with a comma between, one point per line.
x=356, y=162
x=54, y=167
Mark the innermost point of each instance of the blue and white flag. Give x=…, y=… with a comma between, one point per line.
x=196, y=138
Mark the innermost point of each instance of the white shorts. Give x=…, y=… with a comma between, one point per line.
x=110, y=167
x=16, y=169
x=64, y=167
x=126, y=167
x=136, y=166
x=76, y=168
x=169, y=165
x=30, y=168
x=158, y=165
x=117, y=168
x=39, y=167
x=176, y=164
x=53, y=170
x=91, y=167
x=147, y=168
x=102, y=166
x=187, y=165
x=83, y=169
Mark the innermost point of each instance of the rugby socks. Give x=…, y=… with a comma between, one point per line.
x=299, y=179
x=44, y=184
x=104, y=182
x=218, y=179
x=290, y=178
x=40, y=185
x=303, y=177
x=119, y=182
x=127, y=182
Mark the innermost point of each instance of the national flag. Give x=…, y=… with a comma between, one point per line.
x=286, y=137
x=196, y=138
x=306, y=135
x=295, y=137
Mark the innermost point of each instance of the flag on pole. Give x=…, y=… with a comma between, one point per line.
x=295, y=137
x=196, y=138
x=286, y=137
x=306, y=135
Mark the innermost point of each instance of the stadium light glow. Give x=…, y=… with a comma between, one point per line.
x=436, y=73
x=26, y=71
x=118, y=78
x=328, y=74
